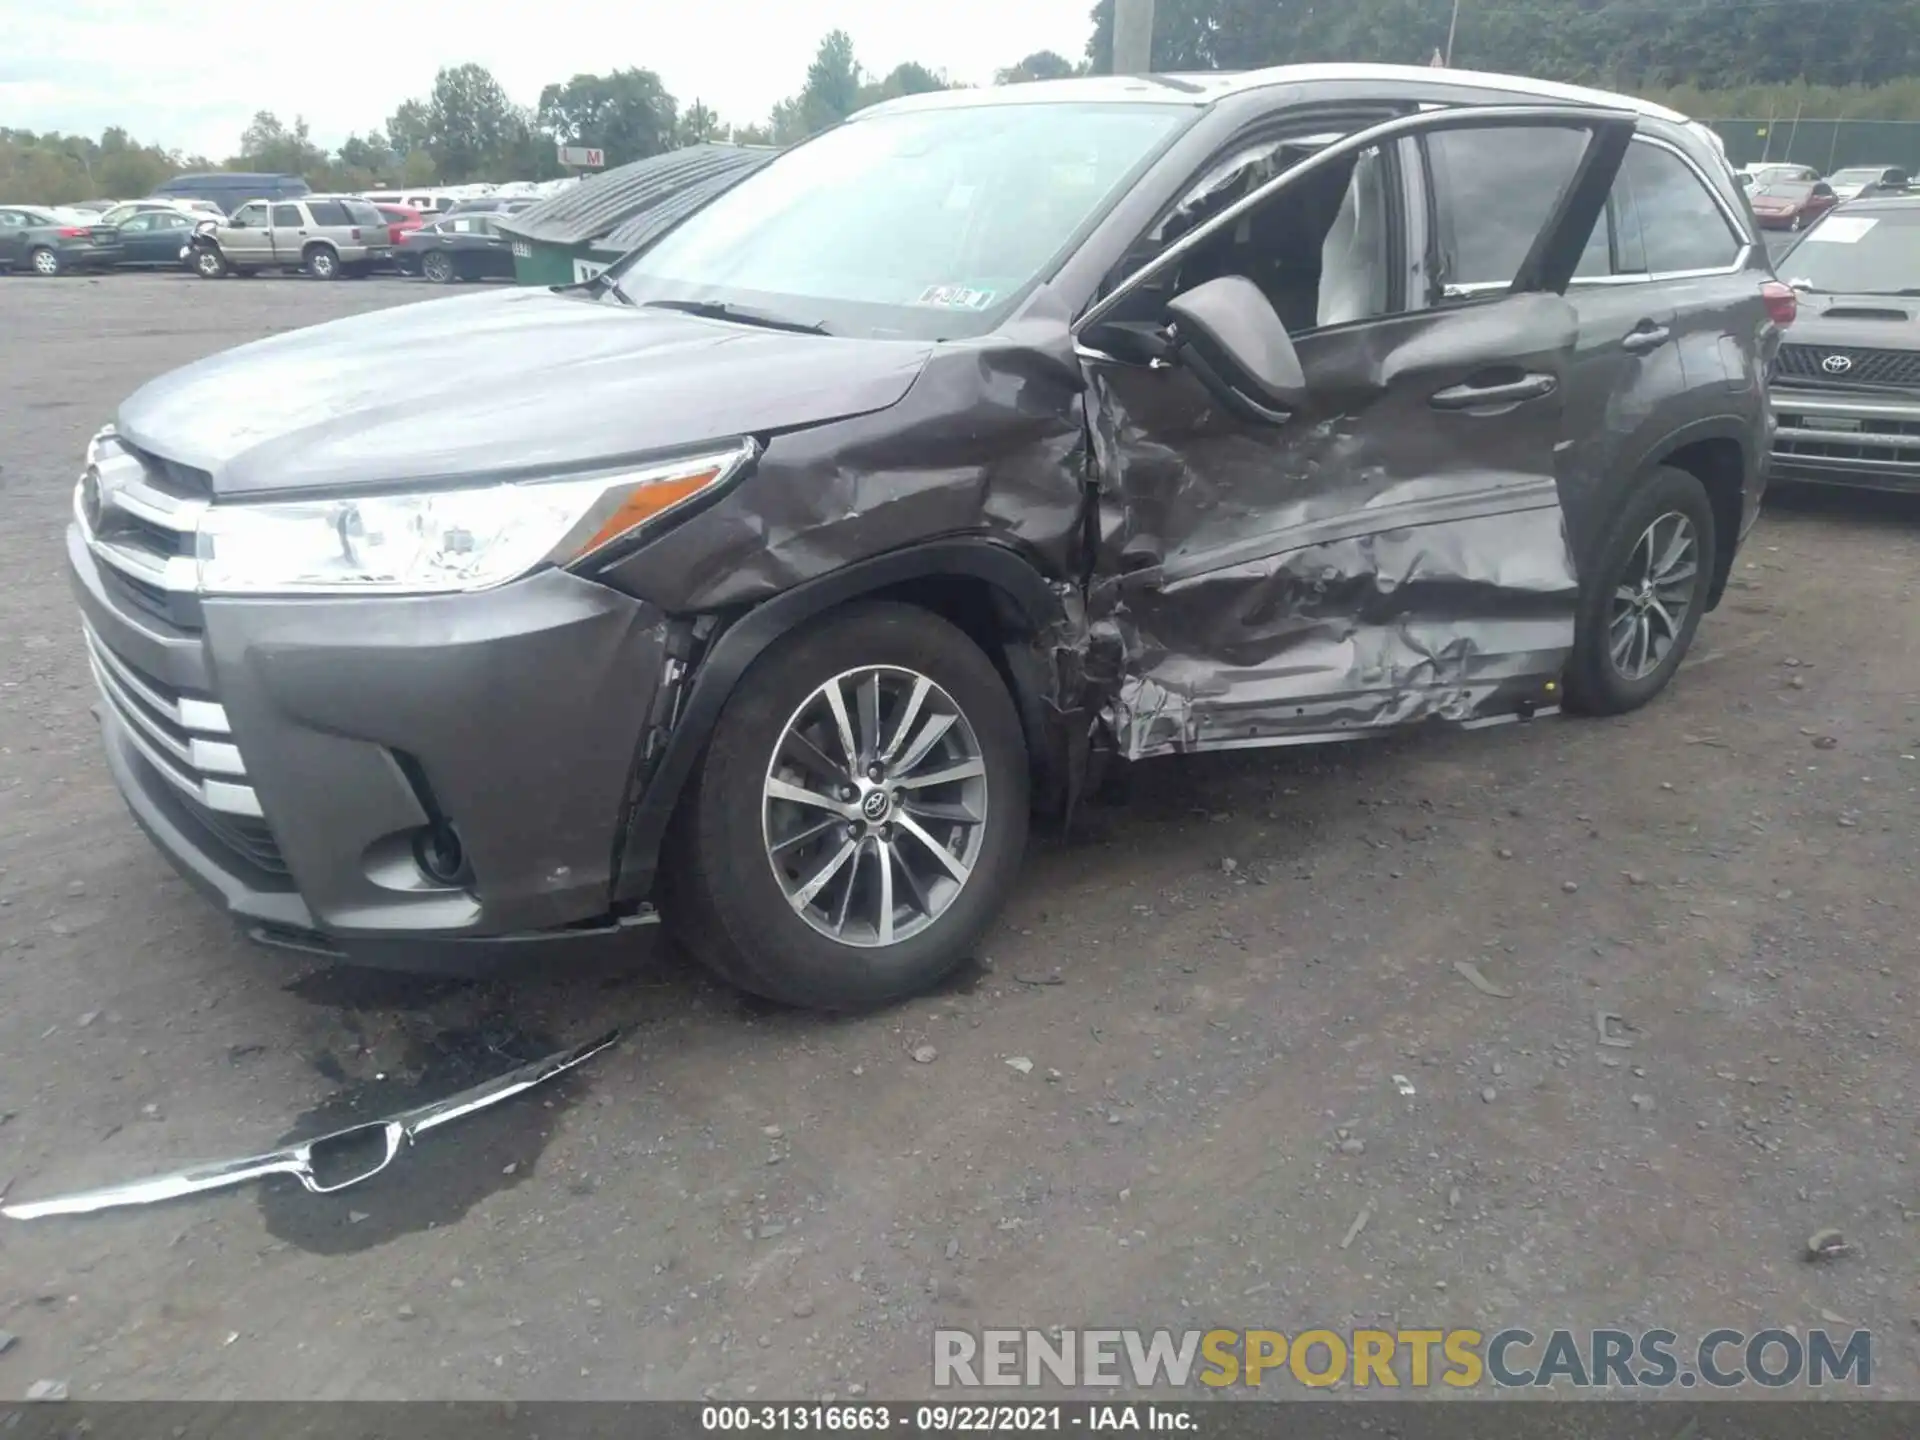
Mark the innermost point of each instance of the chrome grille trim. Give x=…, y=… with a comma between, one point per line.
x=162, y=730
x=203, y=716
x=175, y=574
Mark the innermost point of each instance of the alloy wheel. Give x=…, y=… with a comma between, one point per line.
x=45, y=262
x=875, y=806
x=437, y=268
x=1653, y=595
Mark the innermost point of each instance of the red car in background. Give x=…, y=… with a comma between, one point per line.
x=1791, y=204
x=400, y=219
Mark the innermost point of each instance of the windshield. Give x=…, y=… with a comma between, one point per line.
x=925, y=224
x=1858, y=255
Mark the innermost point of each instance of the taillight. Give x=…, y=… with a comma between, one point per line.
x=1783, y=303
x=73, y=232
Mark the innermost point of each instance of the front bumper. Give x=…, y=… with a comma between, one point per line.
x=286, y=755
x=1867, y=441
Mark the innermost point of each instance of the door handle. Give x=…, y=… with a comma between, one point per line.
x=1505, y=392
x=1647, y=336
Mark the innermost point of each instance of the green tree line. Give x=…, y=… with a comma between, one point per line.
x=468, y=128
x=1711, y=58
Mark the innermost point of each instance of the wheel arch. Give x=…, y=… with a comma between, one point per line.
x=1717, y=453
x=986, y=589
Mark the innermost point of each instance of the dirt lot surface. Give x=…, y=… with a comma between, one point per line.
x=1215, y=984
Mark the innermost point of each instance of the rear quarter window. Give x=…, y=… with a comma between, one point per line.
x=1681, y=225
x=359, y=212
x=328, y=212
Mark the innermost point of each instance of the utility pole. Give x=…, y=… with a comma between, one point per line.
x=1132, y=37
x=1452, y=26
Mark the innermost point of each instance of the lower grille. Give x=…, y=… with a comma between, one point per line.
x=188, y=742
x=249, y=839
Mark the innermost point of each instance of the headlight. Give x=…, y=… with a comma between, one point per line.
x=443, y=540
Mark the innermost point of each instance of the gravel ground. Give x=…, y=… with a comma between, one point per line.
x=1216, y=984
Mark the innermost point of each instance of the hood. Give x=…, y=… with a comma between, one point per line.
x=1856, y=322
x=513, y=382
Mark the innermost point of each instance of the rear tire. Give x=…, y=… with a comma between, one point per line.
x=44, y=261
x=321, y=262
x=937, y=862
x=437, y=268
x=1632, y=632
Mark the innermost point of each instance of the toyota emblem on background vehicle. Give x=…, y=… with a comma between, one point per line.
x=1837, y=364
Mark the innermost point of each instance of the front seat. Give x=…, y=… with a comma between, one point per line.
x=1353, y=258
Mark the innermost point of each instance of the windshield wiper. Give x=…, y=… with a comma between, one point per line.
x=600, y=282
x=739, y=314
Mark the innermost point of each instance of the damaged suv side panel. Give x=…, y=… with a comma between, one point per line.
x=971, y=440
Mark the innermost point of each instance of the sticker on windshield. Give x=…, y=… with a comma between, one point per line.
x=1842, y=229
x=955, y=297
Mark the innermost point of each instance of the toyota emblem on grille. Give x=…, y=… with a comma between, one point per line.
x=90, y=497
x=1837, y=364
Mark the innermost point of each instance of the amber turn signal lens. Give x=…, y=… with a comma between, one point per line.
x=643, y=502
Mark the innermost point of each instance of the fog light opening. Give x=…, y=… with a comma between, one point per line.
x=438, y=852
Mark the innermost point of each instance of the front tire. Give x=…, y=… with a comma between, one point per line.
x=839, y=881
x=1649, y=589
x=45, y=262
x=209, y=263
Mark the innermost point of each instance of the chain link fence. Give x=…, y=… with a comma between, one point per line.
x=1827, y=145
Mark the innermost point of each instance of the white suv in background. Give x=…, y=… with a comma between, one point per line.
x=325, y=235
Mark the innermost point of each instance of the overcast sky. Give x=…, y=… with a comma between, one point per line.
x=189, y=74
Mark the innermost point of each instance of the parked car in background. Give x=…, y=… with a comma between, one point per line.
x=494, y=205
x=428, y=204
x=198, y=209
x=458, y=247
x=1781, y=170
x=229, y=189
x=401, y=220
x=1857, y=180
x=51, y=240
x=1791, y=204
x=770, y=575
x=151, y=238
x=327, y=236
x=1846, y=388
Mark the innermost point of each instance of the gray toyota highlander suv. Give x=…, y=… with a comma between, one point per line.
x=772, y=579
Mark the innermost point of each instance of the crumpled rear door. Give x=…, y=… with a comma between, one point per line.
x=1394, y=552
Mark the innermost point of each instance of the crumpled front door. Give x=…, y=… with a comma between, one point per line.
x=1392, y=551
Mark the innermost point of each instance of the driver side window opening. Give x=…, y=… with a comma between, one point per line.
x=1325, y=251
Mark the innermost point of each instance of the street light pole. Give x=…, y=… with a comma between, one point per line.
x=1452, y=25
x=1132, y=37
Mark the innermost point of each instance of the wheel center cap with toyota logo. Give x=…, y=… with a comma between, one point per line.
x=875, y=806
x=1837, y=364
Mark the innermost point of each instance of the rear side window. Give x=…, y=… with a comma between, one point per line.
x=328, y=212
x=288, y=215
x=1681, y=225
x=1493, y=192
